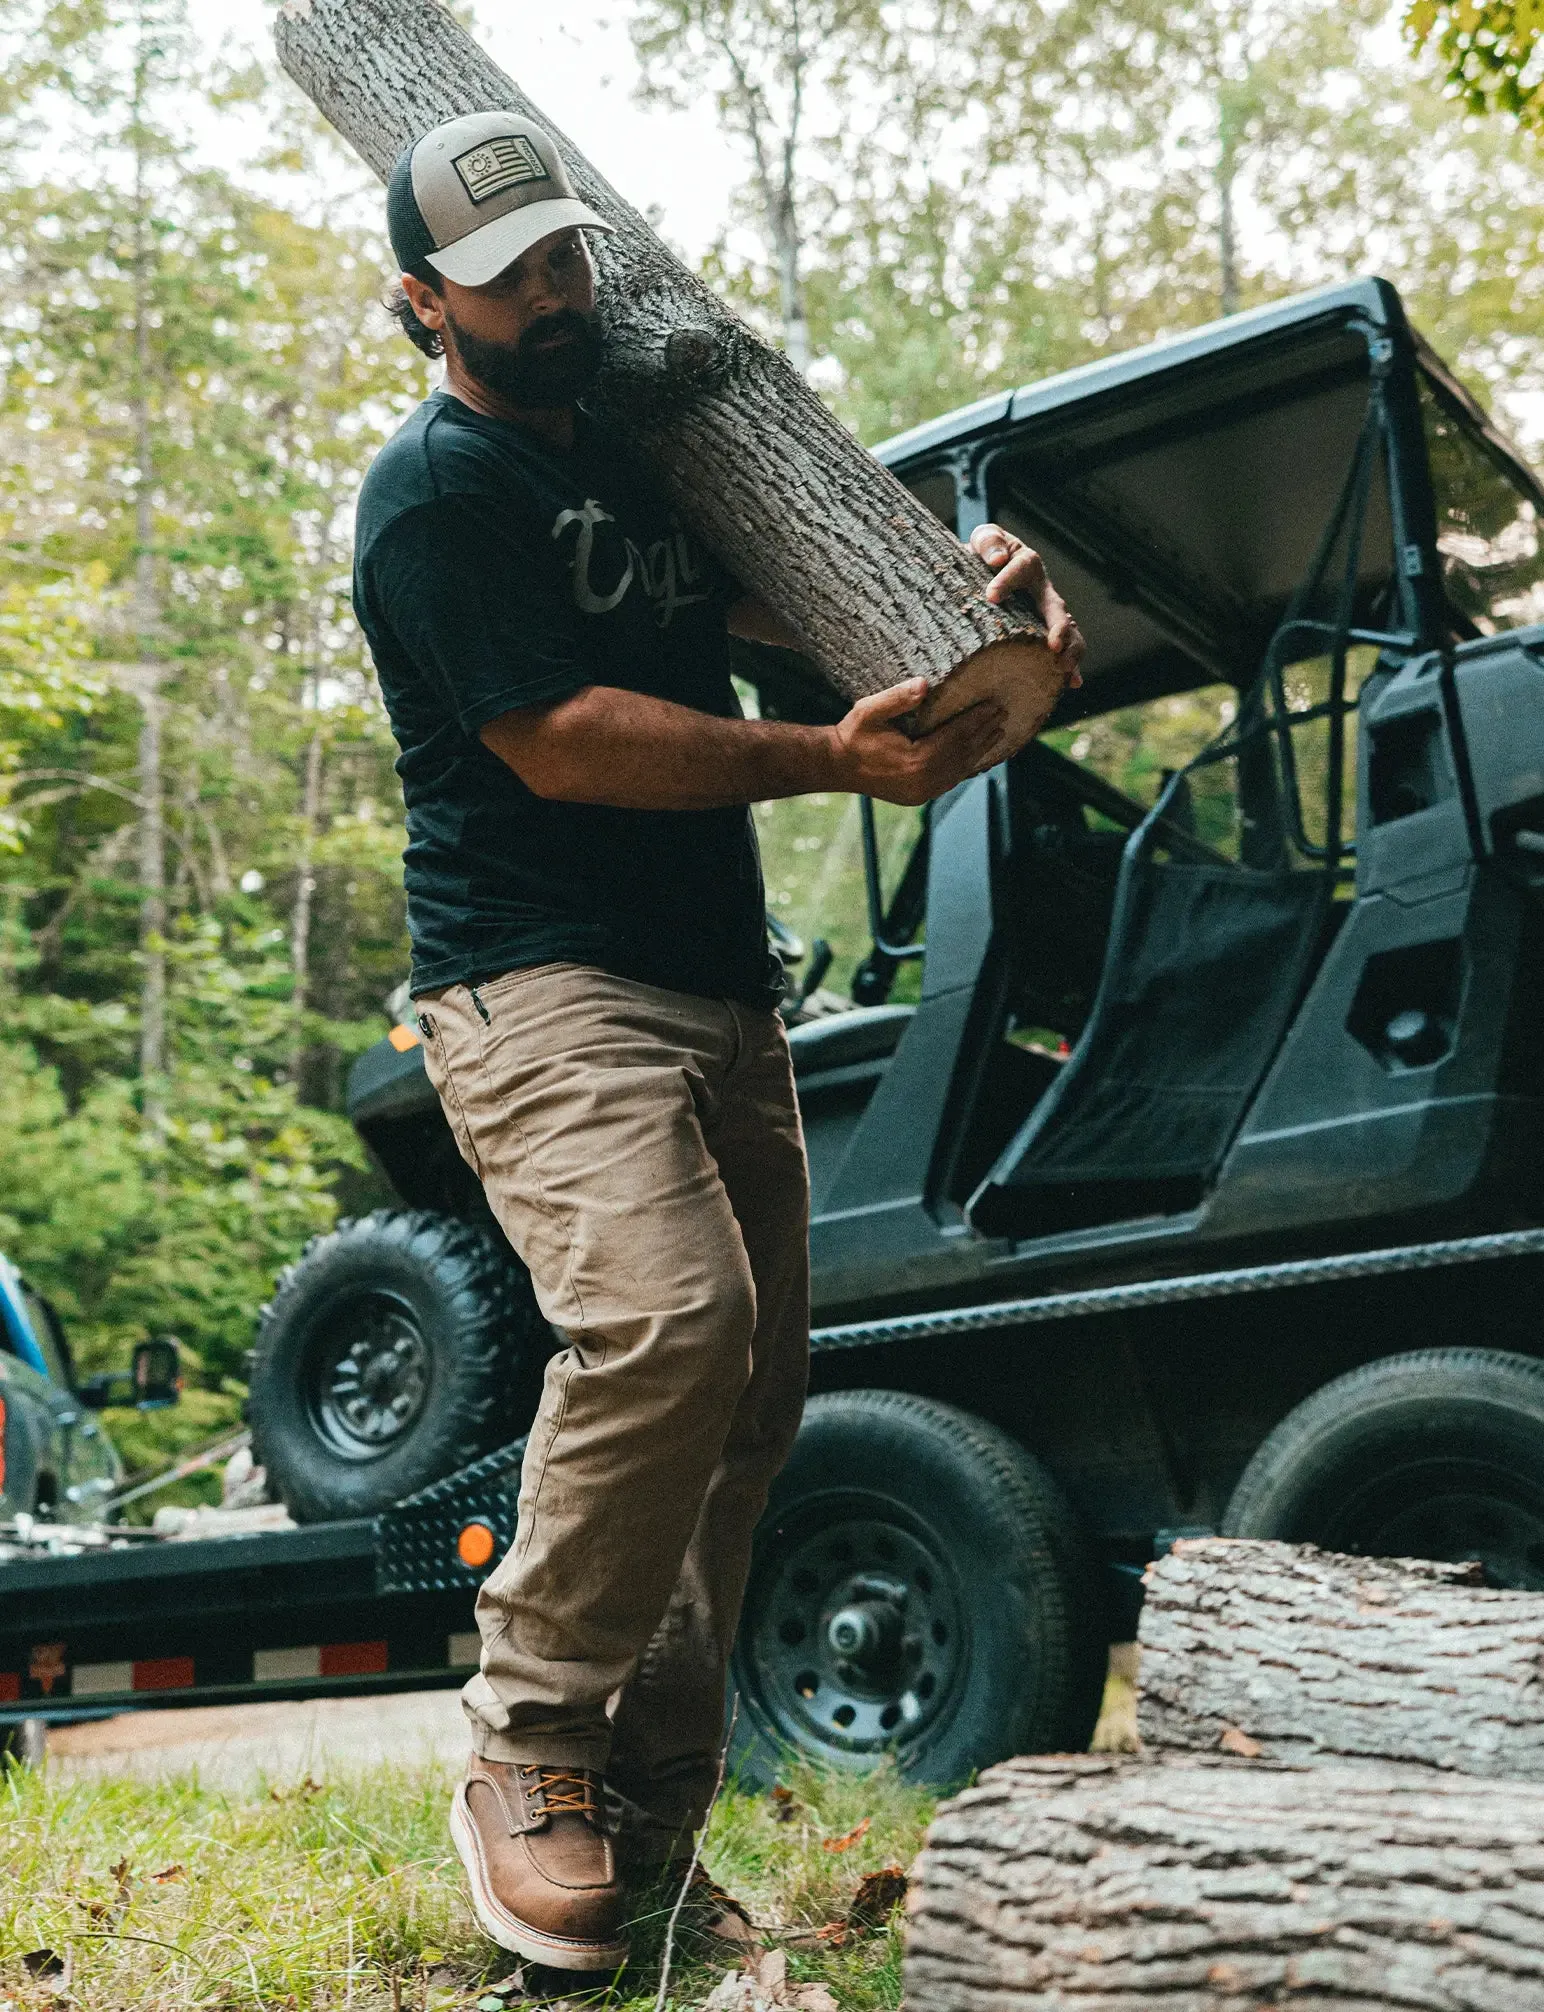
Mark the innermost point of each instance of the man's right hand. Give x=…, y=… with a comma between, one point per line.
x=875, y=758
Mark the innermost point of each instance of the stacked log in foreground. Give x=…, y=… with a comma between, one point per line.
x=877, y=588
x=1107, y=1886
x=1312, y=1656
x=1339, y=1808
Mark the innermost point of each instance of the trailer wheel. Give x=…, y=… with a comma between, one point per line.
x=919, y=1588
x=1436, y=1454
x=399, y=1348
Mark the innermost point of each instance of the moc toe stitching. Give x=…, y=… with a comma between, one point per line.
x=551, y=1878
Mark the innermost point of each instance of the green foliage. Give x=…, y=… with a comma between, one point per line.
x=162, y=322
x=1488, y=49
x=1023, y=186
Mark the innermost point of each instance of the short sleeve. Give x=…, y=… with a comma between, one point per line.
x=473, y=608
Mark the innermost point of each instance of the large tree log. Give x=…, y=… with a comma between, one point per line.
x=1304, y=1655
x=1108, y=1886
x=876, y=587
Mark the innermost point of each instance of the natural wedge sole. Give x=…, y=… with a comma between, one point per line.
x=560, y=1952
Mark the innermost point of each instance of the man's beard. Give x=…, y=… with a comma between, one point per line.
x=529, y=374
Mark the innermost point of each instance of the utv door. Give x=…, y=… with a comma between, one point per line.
x=1215, y=941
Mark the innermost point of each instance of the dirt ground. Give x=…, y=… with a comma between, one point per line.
x=238, y=1745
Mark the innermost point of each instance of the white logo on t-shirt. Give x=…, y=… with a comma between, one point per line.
x=663, y=571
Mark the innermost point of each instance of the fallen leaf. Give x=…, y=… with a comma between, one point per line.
x=785, y=1805
x=879, y=1894
x=44, y=1963
x=845, y=1843
x=835, y=1934
x=772, y=1975
x=812, y=1998
x=167, y=1874
x=736, y=1993
x=122, y=1877
x=1235, y=1742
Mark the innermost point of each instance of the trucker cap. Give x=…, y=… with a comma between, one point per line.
x=473, y=195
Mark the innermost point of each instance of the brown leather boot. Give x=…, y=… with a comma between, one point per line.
x=544, y=1881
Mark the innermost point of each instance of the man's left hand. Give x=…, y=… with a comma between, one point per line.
x=1019, y=570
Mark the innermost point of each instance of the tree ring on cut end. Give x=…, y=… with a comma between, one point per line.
x=1022, y=673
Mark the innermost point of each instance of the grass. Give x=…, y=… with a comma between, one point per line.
x=171, y=1896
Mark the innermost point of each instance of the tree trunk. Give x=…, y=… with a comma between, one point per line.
x=878, y=590
x=1107, y=1886
x=147, y=615
x=305, y=884
x=1303, y=1655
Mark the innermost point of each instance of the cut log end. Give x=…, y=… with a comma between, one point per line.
x=1022, y=673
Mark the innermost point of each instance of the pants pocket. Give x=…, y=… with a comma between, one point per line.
x=439, y=1072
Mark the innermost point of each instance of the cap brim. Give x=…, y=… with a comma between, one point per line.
x=483, y=254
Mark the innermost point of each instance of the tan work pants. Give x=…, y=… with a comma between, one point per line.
x=642, y=1151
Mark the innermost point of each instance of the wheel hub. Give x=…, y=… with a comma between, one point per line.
x=855, y=1635
x=372, y=1379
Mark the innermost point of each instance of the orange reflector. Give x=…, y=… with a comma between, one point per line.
x=403, y=1038
x=474, y=1546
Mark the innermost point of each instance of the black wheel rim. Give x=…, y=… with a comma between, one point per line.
x=368, y=1374
x=1450, y=1510
x=853, y=1639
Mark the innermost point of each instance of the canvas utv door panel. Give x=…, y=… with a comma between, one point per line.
x=1206, y=967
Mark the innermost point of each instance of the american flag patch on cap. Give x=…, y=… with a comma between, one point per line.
x=499, y=164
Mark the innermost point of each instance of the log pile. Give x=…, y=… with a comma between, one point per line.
x=877, y=588
x=1339, y=1808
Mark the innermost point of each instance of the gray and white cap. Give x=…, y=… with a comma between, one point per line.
x=475, y=194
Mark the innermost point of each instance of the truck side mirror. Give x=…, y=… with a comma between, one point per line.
x=157, y=1374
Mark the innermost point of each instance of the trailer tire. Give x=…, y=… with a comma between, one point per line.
x=397, y=1349
x=938, y=1555
x=1434, y=1454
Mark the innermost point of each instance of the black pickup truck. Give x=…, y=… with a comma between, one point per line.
x=1178, y=1160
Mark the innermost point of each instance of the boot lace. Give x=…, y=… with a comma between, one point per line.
x=559, y=1792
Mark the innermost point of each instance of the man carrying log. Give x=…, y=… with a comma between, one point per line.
x=599, y=1013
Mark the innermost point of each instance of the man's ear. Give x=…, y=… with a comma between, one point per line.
x=427, y=304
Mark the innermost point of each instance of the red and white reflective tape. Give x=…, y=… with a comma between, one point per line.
x=156, y=1673
x=323, y=1659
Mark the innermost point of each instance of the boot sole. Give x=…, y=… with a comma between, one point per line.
x=537, y=1945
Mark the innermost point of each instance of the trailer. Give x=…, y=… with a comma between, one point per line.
x=98, y=1620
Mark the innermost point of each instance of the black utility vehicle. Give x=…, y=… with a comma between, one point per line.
x=1179, y=1163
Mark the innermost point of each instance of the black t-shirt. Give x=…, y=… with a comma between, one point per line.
x=493, y=571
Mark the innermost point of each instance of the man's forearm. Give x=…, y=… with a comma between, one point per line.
x=609, y=746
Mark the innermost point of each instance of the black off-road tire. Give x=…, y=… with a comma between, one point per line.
x=397, y=1349
x=1435, y=1454
x=895, y=1502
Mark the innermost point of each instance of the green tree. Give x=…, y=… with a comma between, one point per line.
x=1489, y=50
x=192, y=380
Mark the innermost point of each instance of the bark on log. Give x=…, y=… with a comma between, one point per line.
x=1305, y=1655
x=876, y=587
x=1095, y=1885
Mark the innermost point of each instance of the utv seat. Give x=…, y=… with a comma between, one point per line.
x=843, y=1040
